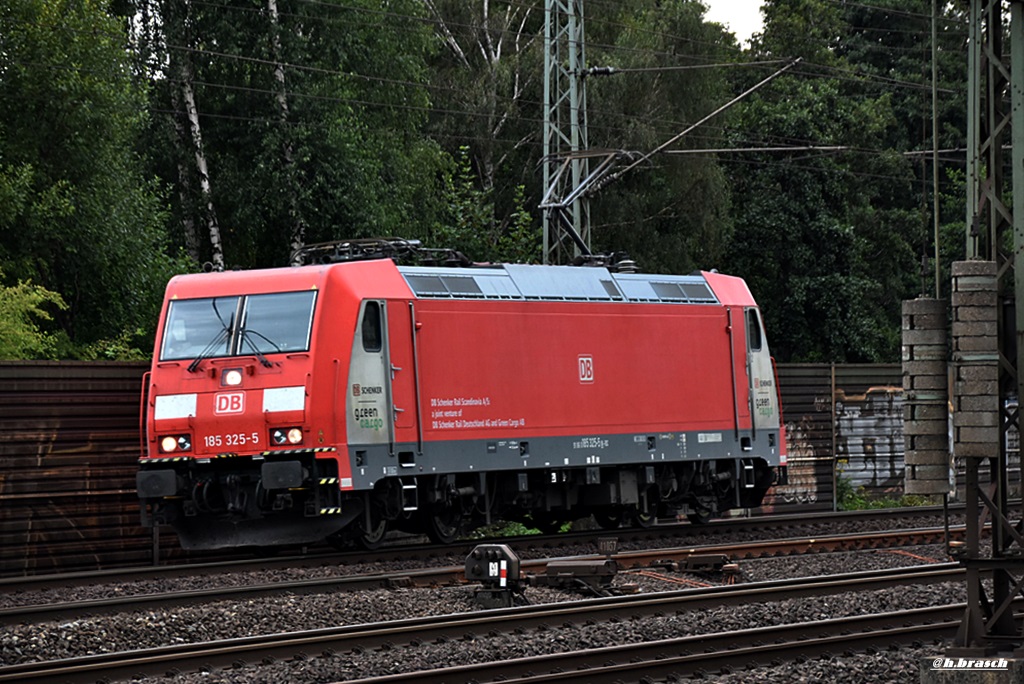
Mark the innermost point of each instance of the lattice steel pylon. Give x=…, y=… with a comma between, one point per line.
x=995, y=233
x=566, y=223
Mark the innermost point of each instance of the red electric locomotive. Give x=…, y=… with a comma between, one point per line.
x=339, y=401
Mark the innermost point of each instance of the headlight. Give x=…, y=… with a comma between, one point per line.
x=170, y=444
x=286, y=436
x=232, y=377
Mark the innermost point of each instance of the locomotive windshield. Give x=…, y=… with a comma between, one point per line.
x=238, y=325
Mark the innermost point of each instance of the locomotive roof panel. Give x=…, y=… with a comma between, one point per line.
x=730, y=289
x=556, y=283
x=251, y=282
x=382, y=279
x=364, y=279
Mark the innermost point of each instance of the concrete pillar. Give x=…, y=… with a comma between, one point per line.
x=926, y=398
x=976, y=408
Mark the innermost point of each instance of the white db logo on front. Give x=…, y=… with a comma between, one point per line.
x=586, y=368
x=230, y=402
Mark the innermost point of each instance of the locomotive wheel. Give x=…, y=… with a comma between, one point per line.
x=608, y=519
x=642, y=518
x=355, y=535
x=373, y=539
x=444, y=519
x=699, y=517
x=444, y=528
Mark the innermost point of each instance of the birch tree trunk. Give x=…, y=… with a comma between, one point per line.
x=297, y=236
x=180, y=66
x=185, y=191
x=499, y=40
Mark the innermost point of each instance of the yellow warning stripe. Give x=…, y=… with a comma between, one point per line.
x=194, y=457
x=313, y=450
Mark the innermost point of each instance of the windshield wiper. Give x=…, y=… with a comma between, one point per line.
x=219, y=339
x=255, y=350
x=208, y=350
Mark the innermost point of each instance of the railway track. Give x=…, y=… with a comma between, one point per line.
x=725, y=652
x=413, y=550
x=689, y=652
x=453, y=575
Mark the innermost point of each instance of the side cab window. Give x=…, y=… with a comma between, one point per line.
x=754, y=340
x=372, y=337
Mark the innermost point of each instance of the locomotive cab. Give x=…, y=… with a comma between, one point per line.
x=232, y=458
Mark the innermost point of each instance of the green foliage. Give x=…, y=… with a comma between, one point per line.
x=344, y=157
x=812, y=29
x=357, y=119
x=468, y=224
x=77, y=217
x=487, y=83
x=849, y=498
x=520, y=241
x=22, y=308
x=812, y=244
x=671, y=214
x=503, y=529
x=953, y=229
x=130, y=345
x=830, y=243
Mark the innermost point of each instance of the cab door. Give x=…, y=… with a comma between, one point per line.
x=764, y=403
x=367, y=396
x=401, y=324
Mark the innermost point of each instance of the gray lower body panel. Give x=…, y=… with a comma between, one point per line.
x=371, y=463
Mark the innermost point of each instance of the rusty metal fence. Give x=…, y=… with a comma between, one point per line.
x=69, y=439
x=842, y=421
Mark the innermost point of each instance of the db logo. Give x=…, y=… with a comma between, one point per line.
x=586, y=368
x=229, y=402
x=355, y=389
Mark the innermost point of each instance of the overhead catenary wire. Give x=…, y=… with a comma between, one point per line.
x=674, y=139
x=453, y=112
x=798, y=146
x=857, y=75
x=894, y=10
x=424, y=109
x=612, y=70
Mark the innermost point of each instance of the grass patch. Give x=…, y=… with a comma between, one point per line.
x=850, y=498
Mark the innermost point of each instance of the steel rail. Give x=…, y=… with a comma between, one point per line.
x=412, y=550
x=450, y=575
x=232, y=652
x=726, y=651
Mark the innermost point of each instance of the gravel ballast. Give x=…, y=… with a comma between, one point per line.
x=223, y=620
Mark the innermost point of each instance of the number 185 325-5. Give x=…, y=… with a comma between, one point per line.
x=233, y=439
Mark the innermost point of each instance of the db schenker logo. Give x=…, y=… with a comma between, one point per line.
x=361, y=390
